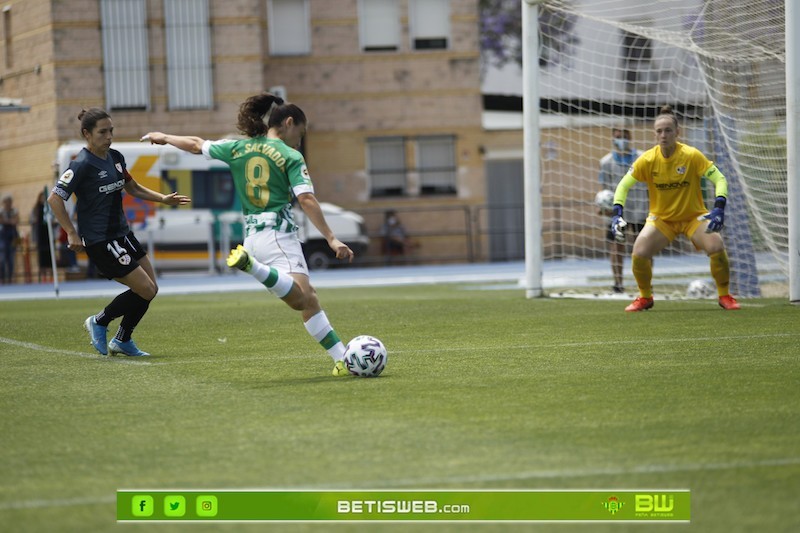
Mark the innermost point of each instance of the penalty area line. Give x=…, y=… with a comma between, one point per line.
x=656, y=342
x=615, y=472
x=48, y=349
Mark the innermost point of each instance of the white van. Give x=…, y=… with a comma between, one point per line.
x=213, y=219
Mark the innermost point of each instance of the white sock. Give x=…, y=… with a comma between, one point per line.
x=319, y=327
x=278, y=283
x=260, y=271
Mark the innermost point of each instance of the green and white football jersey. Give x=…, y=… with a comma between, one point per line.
x=266, y=173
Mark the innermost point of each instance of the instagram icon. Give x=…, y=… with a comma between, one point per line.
x=207, y=505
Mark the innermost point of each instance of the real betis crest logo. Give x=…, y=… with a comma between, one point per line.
x=613, y=505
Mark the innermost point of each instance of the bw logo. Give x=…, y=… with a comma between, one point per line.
x=659, y=503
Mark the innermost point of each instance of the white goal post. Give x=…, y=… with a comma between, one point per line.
x=722, y=65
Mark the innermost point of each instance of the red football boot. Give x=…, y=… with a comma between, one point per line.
x=729, y=303
x=641, y=304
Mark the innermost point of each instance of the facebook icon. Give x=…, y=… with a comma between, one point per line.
x=142, y=505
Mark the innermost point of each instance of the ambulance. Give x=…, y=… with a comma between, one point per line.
x=188, y=235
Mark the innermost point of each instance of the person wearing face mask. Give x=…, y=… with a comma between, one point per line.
x=613, y=165
x=395, y=236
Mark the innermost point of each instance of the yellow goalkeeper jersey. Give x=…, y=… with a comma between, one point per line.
x=673, y=183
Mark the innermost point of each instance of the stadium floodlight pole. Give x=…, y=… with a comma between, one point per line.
x=531, y=135
x=792, y=30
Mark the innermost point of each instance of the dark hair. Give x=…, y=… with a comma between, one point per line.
x=254, y=109
x=666, y=111
x=90, y=117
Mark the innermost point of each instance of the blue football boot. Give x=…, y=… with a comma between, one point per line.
x=97, y=334
x=128, y=347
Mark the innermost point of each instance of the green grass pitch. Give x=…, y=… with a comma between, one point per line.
x=483, y=390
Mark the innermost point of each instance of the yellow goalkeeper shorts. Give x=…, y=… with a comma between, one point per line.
x=672, y=229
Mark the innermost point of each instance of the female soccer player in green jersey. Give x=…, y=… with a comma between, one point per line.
x=267, y=171
x=673, y=172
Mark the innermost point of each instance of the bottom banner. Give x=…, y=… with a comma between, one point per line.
x=651, y=505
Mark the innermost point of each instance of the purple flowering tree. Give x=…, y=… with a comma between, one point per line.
x=501, y=33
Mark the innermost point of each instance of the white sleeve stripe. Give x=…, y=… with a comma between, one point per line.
x=205, y=149
x=302, y=189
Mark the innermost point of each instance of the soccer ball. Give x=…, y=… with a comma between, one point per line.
x=604, y=199
x=700, y=288
x=365, y=356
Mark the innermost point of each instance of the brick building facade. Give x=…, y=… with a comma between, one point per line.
x=396, y=75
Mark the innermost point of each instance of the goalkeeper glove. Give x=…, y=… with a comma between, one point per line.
x=618, y=224
x=716, y=218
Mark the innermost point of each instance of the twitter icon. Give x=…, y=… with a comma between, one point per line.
x=174, y=506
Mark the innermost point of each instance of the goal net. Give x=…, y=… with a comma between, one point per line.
x=608, y=64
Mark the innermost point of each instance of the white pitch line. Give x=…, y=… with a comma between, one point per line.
x=439, y=482
x=222, y=358
x=671, y=340
x=47, y=349
x=640, y=470
x=70, y=502
x=266, y=357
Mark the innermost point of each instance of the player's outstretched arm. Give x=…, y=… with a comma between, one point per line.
x=135, y=189
x=186, y=143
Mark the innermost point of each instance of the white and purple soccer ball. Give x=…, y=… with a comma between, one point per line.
x=604, y=200
x=365, y=356
x=701, y=289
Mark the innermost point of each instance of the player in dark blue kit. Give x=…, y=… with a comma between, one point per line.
x=97, y=177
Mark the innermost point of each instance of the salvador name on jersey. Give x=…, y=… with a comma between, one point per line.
x=266, y=174
x=673, y=183
x=97, y=185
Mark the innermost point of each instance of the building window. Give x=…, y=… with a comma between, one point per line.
x=391, y=175
x=636, y=55
x=386, y=163
x=289, y=27
x=379, y=25
x=125, y=53
x=436, y=164
x=188, y=40
x=429, y=24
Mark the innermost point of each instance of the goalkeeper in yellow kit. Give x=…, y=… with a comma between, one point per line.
x=673, y=173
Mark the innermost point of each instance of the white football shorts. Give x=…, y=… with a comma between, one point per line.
x=278, y=249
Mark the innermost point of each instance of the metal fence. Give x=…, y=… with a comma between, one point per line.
x=444, y=233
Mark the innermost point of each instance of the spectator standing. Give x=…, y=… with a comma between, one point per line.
x=9, y=237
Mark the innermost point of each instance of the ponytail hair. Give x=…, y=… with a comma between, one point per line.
x=666, y=111
x=90, y=117
x=263, y=111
